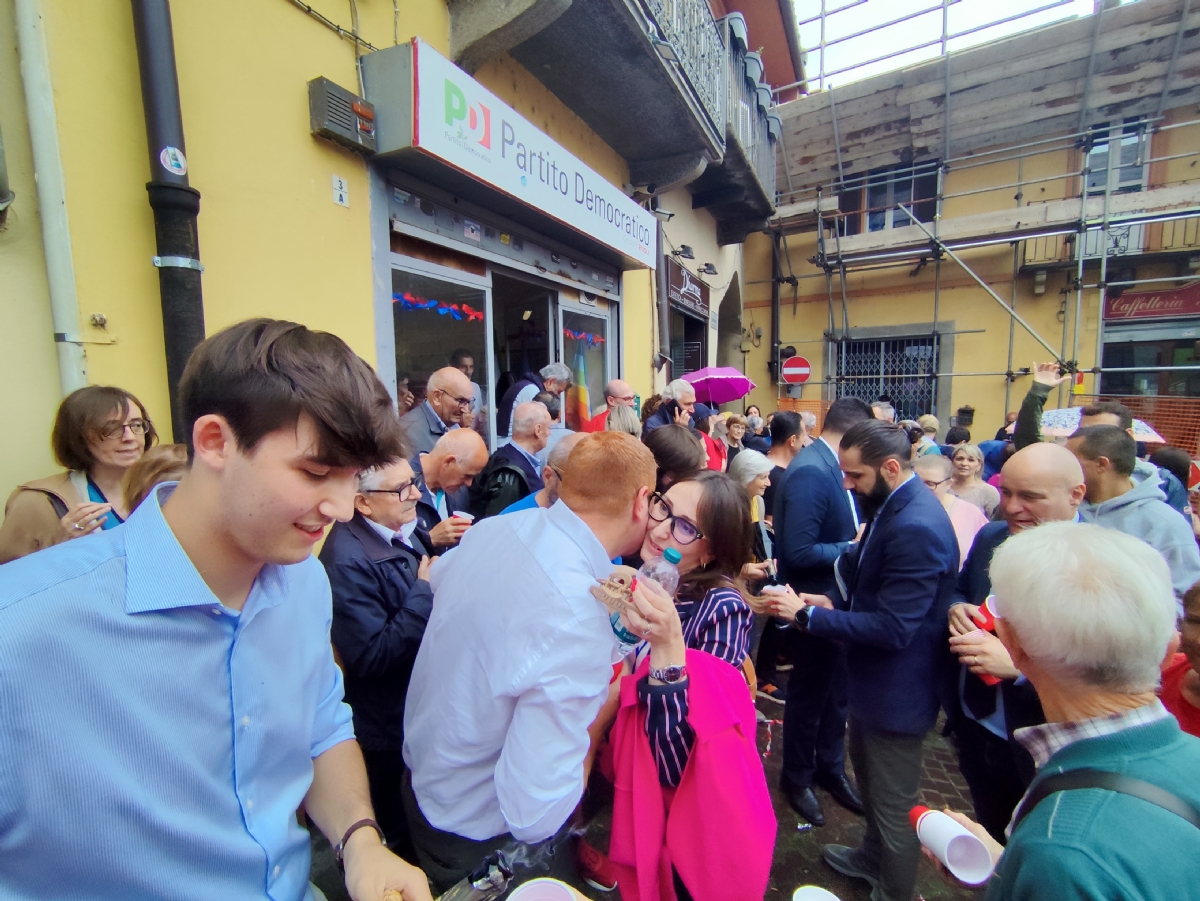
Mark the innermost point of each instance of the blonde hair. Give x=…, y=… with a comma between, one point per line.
x=164, y=463
x=970, y=450
x=928, y=424
x=605, y=472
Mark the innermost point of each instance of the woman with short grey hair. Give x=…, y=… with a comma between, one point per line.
x=622, y=419
x=1087, y=615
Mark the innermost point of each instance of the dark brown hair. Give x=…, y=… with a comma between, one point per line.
x=81, y=416
x=677, y=452
x=261, y=375
x=165, y=463
x=723, y=515
x=878, y=440
x=1112, y=408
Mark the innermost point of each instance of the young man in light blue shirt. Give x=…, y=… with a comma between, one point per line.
x=168, y=696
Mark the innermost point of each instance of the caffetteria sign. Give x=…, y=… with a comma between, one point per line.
x=462, y=123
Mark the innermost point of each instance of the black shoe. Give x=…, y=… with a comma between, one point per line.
x=804, y=802
x=843, y=791
x=845, y=860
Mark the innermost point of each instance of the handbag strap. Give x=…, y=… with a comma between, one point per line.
x=1073, y=780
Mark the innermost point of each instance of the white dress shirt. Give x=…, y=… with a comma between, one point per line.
x=512, y=670
x=849, y=494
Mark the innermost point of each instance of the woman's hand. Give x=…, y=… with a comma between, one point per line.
x=82, y=519
x=756, y=572
x=984, y=655
x=965, y=618
x=655, y=618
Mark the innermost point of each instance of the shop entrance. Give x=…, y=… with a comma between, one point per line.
x=689, y=343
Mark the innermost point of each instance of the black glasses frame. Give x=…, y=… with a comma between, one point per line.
x=674, y=520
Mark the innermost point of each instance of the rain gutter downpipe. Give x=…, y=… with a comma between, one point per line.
x=51, y=194
x=175, y=203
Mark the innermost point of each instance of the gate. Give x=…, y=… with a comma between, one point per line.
x=903, y=369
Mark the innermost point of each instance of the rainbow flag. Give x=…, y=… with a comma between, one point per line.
x=579, y=409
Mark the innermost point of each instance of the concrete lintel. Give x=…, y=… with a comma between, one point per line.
x=480, y=32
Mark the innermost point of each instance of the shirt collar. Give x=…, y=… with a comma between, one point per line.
x=159, y=573
x=387, y=533
x=1044, y=741
x=533, y=461
x=565, y=519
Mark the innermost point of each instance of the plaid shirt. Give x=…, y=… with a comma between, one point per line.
x=1043, y=742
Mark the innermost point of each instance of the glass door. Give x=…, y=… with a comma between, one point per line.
x=585, y=342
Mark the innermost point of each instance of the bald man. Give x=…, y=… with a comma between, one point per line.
x=616, y=393
x=449, y=396
x=513, y=472
x=444, y=475
x=552, y=473
x=1042, y=483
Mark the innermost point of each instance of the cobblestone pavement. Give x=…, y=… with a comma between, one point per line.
x=797, y=854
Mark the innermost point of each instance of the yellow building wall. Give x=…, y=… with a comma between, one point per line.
x=272, y=241
x=28, y=363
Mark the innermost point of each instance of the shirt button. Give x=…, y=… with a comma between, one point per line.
x=250, y=804
x=216, y=611
x=245, y=721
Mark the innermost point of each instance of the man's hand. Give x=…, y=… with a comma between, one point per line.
x=373, y=872
x=448, y=532
x=423, y=569
x=984, y=655
x=82, y=519
x=682, y=417
x=753, y=572
x=785, y=603
x=965, y=618
x=1048, y=374
x=995, y=849
x=859, y=534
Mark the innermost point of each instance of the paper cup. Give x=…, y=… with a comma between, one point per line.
x=813, y=893
x=961, y=852
x=774, y=589
x=989, y=615
x=542, y=890
x=462, y=514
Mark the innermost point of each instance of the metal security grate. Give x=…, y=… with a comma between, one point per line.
x=904, y=369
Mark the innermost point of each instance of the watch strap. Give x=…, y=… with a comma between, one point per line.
x=361, y=824
x=669, y=675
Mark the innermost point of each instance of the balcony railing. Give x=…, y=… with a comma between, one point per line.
x=748, y=123
x=691, y=31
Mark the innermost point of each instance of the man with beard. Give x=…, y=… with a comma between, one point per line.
x=893, y=592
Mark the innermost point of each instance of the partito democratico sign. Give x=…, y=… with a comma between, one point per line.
x=465, y=125
x=1183, y=301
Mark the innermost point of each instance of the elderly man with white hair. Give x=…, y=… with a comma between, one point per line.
x=1087, y=615
x=679, y=402
x=553, y=377
x=378, y=568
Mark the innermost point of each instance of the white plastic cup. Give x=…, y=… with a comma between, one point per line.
x=960, y=851
x=813, y=893
x=462, y=514
x=543, y=889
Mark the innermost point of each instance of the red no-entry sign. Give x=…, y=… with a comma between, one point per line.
x=795, y=371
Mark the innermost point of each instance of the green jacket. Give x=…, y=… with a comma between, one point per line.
x=1028, y=429
x=1096, y=844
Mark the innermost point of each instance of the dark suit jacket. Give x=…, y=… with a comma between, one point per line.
x=504, y=409
x=422, y=427
x=380, y=609
x=813, y=521
x=1021, y=705
x=899, y=584
x=427, y=511
x=508, y=477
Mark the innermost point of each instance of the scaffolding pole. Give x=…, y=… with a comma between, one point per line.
x=986, y=287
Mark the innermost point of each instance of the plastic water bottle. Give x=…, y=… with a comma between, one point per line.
x=664, y=570
x=626, y=640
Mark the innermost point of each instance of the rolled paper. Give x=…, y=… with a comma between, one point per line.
x=960, y=851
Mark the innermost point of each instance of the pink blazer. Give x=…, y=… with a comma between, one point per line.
x=717, y=828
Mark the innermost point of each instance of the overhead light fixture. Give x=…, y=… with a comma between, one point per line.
x=525, y=316
x=707, y=269
x=663, y=215
x=665, y=49
x=683, y=252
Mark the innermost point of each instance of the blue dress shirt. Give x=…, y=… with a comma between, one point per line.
x=155, y=743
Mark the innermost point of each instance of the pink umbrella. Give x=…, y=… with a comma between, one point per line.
x=719, y=384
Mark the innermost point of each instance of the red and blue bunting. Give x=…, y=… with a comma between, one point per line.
x=457, y=312
x=592, y=340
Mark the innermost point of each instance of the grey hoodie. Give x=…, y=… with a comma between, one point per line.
x=1143, y=514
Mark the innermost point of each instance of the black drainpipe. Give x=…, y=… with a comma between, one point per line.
x=175, y=203
x=776, y=279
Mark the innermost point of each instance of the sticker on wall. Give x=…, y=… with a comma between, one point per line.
x=173, y=160
x=401, y=196
x=505, y=239
x=472, y=230
x=341, y=191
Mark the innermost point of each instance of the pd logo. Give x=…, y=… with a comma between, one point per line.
x=476, y=117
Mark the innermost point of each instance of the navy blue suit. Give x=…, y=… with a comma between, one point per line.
x=380, y=609
x=814, y=524
x=900, y=582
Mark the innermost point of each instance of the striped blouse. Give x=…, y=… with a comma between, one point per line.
x=719, y=624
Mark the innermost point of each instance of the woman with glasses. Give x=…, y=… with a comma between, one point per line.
x=99, y=433
x=680, y=712
x=967, y=519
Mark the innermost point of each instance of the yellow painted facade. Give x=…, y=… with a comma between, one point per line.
x=903, y=299
x=272, y=241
